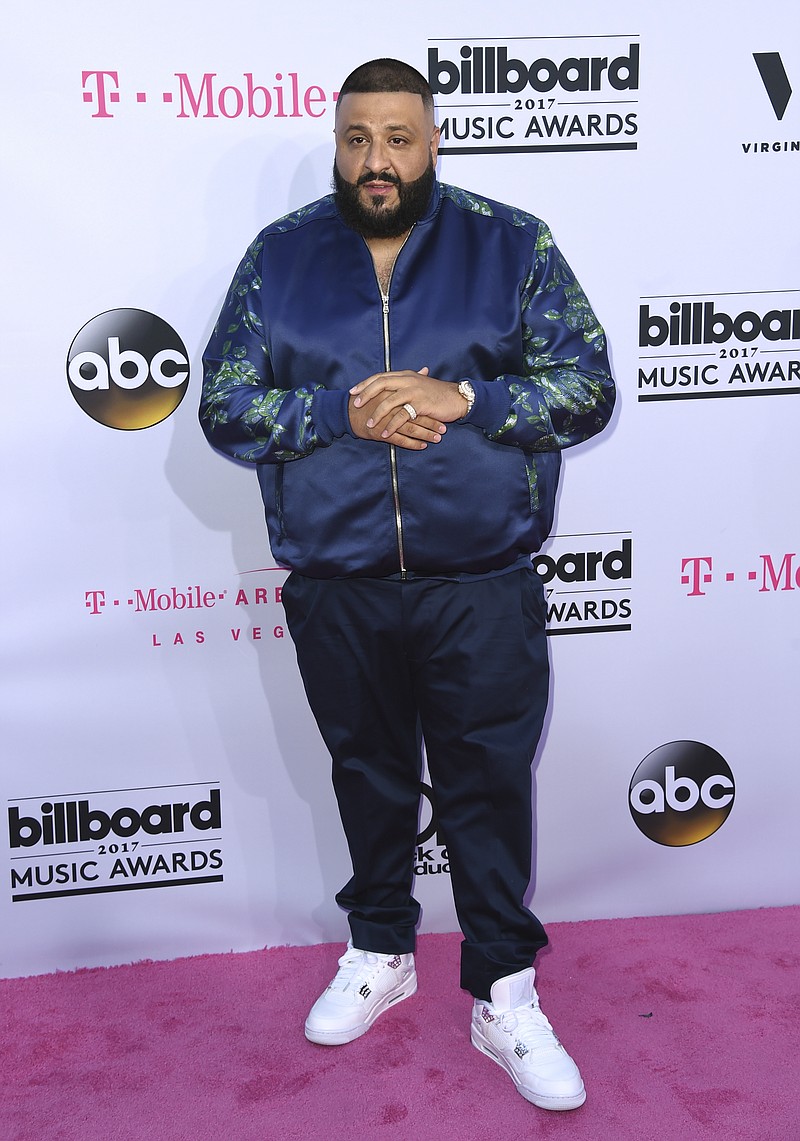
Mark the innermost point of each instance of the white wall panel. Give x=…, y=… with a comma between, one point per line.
x=137, y=703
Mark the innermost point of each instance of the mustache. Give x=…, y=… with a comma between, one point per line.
x=384, y=176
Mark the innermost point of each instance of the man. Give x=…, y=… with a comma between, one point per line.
x=403, y=362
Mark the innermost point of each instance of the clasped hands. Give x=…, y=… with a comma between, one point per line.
x=380, y=408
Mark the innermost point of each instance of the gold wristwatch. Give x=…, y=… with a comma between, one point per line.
x=468, y=392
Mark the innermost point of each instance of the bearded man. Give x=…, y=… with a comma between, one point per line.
x=403, y=362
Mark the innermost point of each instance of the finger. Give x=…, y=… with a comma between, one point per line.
x=410, y=443
x=423, y=428
x=383, y=410
x=431, y=424
x=362, y=384
x=393, y=404
x=368, y=389
x=399, y=420
x=371, y=390
x=414, y=431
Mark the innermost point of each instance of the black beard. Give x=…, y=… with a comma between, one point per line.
x=378, y=220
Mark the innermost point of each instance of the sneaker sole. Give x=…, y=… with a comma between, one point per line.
x=540, y=1100
x=342, y=1037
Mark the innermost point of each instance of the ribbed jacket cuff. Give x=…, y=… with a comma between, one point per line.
x=329, y=414
x=491, y=407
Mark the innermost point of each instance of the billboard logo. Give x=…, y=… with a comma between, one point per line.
x=699, y=346
x=115, y=840
x=535, y=94
x=588, y=581
x=681, y=793
x=488, y=70
x=128, y=369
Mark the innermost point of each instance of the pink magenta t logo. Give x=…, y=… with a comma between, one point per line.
x=694, y=573
x=97, y=90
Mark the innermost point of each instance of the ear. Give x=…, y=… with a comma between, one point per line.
x=435, y=144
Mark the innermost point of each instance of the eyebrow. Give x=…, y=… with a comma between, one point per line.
x=385, y=127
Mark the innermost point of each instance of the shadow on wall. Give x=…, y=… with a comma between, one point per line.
x=224, y=496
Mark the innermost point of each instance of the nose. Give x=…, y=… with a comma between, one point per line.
x=378, y=158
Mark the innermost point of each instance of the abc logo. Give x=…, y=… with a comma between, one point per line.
x=681, y=793
x=128, y=369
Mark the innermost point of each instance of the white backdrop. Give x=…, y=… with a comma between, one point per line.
x=144, y=657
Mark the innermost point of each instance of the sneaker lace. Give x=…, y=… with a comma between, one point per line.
x=530, y=1026
x=357, y=967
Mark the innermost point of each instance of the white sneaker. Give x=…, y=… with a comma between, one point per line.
x=512, y=1031
x=365, y=985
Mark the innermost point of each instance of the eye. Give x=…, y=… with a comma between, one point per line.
x=356, y=140
x=397, y=140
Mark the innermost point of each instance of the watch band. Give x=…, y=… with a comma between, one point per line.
x=468, y=392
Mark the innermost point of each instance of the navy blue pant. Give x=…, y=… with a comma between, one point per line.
x=466, y=664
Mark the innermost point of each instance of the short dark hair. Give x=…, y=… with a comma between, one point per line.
x=388, y=75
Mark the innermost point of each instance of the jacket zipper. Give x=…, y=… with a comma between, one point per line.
x=398, y=518
x=387, y=364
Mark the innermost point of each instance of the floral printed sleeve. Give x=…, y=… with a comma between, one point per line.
x=567, y=392
x=241, y=410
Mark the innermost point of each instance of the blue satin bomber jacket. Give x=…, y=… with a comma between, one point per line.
x=478, y=291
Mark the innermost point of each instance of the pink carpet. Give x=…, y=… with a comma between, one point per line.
x=685, y=1028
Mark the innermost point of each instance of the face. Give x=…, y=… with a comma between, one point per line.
x=386, y=146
